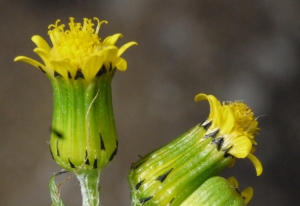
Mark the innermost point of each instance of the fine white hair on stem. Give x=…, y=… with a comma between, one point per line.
x=87, y=113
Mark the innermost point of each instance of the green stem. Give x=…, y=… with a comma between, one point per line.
x=90, y=189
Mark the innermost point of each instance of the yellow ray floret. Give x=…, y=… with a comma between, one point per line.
x=77, y=50
x=247, y=193
x=236, y=124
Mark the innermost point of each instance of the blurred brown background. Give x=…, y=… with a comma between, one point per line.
x=236, y=50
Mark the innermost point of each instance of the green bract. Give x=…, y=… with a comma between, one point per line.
x=173, y=172
x=83, y=128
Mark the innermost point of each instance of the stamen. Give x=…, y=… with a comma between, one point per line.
x=54, y=25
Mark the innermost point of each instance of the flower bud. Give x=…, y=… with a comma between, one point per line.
x=216, y=191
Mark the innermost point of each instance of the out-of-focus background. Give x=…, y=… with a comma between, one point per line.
x=236, y=50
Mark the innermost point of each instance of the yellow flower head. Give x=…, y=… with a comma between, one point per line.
x=247, y=193
x=232, y=125
x=78, y=52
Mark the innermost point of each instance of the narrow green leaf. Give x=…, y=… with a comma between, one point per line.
x=56, y=200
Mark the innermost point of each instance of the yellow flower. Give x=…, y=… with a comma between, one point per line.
x=247, y=193
x=176, y=172
x=232, y=126
x=81, y=67
x=77, y=52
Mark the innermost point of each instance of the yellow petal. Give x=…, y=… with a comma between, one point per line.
x=45, y=56
x=200, y=97
x=111, y=40
x=241, y=146
x=121, y=64
x=125, y=47
x=215, y=108
x=91, y=66
x=40, y=42
x=257, y=164
x=214, y=105
x=31, y=62
x=109, y=56
x=226, y=120
x=62, y=67
x=233, y=182
x=247, y=194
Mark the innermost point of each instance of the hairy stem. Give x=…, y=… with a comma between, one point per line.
x=90, y=188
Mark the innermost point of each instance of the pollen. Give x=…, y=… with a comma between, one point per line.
x=244, y=117
x=77, y=43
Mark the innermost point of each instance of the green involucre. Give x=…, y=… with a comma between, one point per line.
x=83, y=134
x=173, y=172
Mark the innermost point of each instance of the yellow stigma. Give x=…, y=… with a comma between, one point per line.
x=78, y=51
x=234, y=123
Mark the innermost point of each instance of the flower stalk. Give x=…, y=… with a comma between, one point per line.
x=90, y=189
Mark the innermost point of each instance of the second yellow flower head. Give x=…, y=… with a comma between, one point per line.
x=233, y=125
